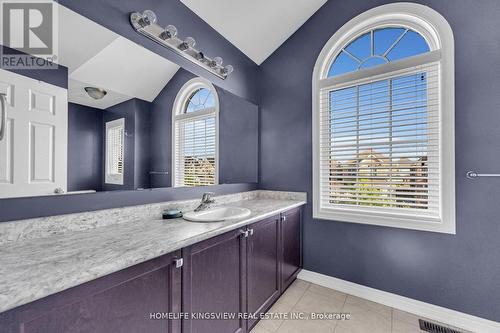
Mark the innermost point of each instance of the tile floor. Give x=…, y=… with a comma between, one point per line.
x=366, y=316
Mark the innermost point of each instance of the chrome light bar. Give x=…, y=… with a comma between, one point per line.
x=146, y=24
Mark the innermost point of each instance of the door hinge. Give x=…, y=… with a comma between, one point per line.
x=179, y=263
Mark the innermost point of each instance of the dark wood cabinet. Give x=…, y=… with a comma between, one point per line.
x=263, y=278
x=126, y=301
x=214, y=282
x=291, y=247
x=238, y=275
x=241, y=272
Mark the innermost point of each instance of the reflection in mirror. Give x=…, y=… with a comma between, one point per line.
x=195, y=128
x=124, y=119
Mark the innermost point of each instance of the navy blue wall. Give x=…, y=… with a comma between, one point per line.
x=114, y=15
x=85, y=148
x=459, y=271
x=238, y=139
x=137, y=121
x=142, y=151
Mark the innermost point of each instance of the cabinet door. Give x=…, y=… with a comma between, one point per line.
x=121, y=302
x=214, y=284
x=291, y=257
x=263, y=276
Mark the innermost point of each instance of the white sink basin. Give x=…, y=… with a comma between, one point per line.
x=218, y=214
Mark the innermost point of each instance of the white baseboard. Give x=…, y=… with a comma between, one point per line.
x=426, y=310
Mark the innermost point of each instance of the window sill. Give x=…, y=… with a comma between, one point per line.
x=387, y=220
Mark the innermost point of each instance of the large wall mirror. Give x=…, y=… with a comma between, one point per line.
x=124, y=118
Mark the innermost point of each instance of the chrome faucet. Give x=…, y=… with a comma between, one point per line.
x=206, y=202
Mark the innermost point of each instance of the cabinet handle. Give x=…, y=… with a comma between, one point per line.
x=283, y=218
x=251, y=232
x=244, y=233
x=179, y=263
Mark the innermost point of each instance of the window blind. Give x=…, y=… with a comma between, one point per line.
x=195, y=151
x=115, y=147
x=380, y=143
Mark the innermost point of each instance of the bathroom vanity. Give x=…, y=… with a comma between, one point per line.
x=224, y=268
x=116, y=132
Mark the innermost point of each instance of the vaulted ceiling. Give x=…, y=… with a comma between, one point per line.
x=256, y=27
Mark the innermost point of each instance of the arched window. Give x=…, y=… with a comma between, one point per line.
x=383, y=101
x=195, y=135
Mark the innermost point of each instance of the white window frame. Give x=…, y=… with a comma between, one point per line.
x=112, y=178
x=437, y=32
x=178, y=114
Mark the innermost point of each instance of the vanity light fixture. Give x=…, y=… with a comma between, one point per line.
x=146, y=24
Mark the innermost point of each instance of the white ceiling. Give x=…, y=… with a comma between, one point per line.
x=127, y=68
x=78, y=95
x=80, y=38
x=257, y=27
x=98, y=57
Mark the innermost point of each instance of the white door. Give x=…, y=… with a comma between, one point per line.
x=33, y=152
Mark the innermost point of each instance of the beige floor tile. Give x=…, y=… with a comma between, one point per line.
x=409, y=318
x=320, y=290
x=294, y=292
x=363, y=319
x=301, y=284
x=311, y=302
x=259, y=328
x=305, y=326
x=279, y=307
x=369, y=305
x=315, y=303
x=399, y=326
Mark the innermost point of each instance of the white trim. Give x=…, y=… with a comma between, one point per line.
x=178, y=114
x=378, y=72
x=419, y=308
x=438, y=34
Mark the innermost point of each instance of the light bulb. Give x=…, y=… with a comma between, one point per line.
x=200, y=56
x=188, y=43
x=218, y=61
x=149, y=17
x=169, y=32
x=227, y=70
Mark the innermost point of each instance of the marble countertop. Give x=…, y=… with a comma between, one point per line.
x=36, y=268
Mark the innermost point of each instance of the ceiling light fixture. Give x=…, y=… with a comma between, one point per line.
x=96, y=93
x=146, y=24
